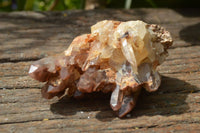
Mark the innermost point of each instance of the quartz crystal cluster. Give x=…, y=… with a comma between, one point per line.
x=117, y=57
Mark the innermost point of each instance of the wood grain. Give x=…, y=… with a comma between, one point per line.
x=29, y=36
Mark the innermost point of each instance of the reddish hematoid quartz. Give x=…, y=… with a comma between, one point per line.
x=117, y=57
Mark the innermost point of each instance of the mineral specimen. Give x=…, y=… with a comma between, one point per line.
x=117, y=57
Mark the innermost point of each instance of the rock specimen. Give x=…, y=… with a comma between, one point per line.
x=117, y=57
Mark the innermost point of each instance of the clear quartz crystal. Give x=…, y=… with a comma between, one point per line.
x=32, y=69
x=117, y=57
x=116, y=98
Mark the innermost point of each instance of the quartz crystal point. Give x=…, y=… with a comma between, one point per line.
x=117, y=57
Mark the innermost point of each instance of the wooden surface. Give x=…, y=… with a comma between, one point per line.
x=29, y=36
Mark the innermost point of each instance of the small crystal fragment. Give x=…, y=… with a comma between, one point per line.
x=127, y=105
x=78, y=94
x=116, y=98
x=117, y=57
x=32, y=69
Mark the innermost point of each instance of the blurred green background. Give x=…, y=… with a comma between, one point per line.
x=59, y=5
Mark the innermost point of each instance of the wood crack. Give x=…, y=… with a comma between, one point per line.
x=8, y=60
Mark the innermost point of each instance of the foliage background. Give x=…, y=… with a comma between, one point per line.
x=59, y=5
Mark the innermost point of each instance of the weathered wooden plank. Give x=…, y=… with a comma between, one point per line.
x=43, y=35
x=153, y=102
x=179, y=56
x=17, y=82
x=31, y=104
x=29, y=36
x=91, y=124
x=21, y=68
x=15, y=75
x=44, y=48
x=182, y=128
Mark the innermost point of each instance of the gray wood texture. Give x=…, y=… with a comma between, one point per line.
x=29, y=36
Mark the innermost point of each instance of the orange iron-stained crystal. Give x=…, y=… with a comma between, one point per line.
x=117, y=57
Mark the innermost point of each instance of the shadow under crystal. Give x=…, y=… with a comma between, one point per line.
x=170, y=99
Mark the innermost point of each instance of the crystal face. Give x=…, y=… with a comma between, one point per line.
x=117, y=57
